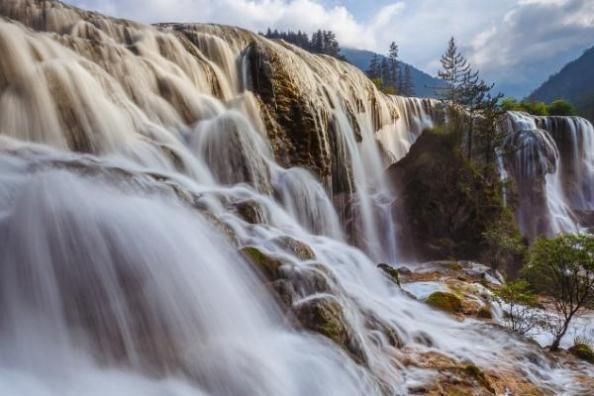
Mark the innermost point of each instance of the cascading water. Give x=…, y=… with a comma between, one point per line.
x=552, y=162
x=120, y=267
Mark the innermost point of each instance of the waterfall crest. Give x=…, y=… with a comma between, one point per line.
x=176, y=205
x=551, y=160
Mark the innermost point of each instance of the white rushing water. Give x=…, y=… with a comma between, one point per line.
x=552, y=158
x=133, y=163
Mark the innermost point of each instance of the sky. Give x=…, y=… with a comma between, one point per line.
x=516, y=44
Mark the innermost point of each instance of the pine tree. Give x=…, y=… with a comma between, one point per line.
x=317, y=42
x=385, y=72
x=373, y=71
x=467, y=89
x=408, y=87
x=393, y=72
x=456, y=72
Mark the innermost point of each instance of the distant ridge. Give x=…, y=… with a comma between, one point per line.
x=424, y=83
x=575, y=82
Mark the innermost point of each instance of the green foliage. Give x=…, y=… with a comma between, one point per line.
x=561, y=107
x=510, y=104
x=582, y=349
x=484, y=313
x=563, y=268
x=518, y=301
x=321, y=42
x=466, y=195
x=536, y=108
x=504, y=242
x=378, y=83
x=447, y=302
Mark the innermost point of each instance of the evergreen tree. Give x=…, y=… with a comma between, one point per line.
x=456, y=73
x=393, y=71
x=407, y=85
x=385, y=72
x=317, y=42
x=322, y=41
x=465, y=88
x=331, y=46
x=373, y=71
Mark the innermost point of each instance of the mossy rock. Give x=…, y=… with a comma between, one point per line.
x=250, y=211
x=583, y=351
x=446, y=203
x=484, y=313
x=324, y=315
x=455, y=266
x=269, y=266
x=299, y=249
x=477, y=374
x=390, y=272
x=445, y=301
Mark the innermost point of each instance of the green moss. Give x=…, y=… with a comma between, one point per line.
x=454, y=266
x=391, y=272
x=476, y=373
x=484, y=313
x=445, y=301
x=325, y=316
x=267, y=265
x=583, y=351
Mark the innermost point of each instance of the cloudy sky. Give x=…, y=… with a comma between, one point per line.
x=515, y=43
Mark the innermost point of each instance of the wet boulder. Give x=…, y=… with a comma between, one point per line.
x=299, y=249
x=445, y=301
x=265, y=263
x=324, y=315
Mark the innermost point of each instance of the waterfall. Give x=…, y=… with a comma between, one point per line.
x=551, y=160
x=140, y=168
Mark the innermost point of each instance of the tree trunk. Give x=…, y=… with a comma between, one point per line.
x=555, y=345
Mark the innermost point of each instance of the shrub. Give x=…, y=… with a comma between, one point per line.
x=563, y=268
x=582, y=349
x=520, y=301
x=562, y=107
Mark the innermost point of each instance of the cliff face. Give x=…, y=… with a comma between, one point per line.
x=445, y=205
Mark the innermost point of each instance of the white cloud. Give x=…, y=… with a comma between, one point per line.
x=516, y=43
x=534, y=39
x=308, y=15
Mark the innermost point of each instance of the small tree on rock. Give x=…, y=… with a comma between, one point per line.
x=563, y=268
x=519, y=304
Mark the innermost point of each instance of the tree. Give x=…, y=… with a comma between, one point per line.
x=322, y=41
x=517, y=301
x=464, y=87
x=317, y=42
x=393, y=67
x=407, y=87
x=491, y=136
x=385, y=72
x=561, y=107
x=455, y=72
x=563, y=268
x=503, y=245
x=373, y=71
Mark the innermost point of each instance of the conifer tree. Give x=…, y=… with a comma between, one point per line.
x=373, y=71
x=455, y=72
x=393, y=72
x=385, y=72
x=407, y=85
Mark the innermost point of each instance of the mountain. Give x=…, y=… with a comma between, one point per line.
x=575, y=82
x=424, y=83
